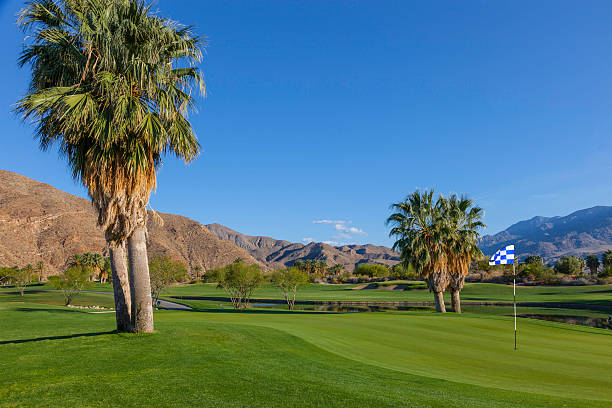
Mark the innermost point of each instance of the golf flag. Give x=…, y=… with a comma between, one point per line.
x=503, y=256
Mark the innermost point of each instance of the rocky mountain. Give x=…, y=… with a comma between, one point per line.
x=277, y=253
x=583, y=232
x=39, y=222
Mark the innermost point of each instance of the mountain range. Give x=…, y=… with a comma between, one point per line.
x=587, y=231
x=278, y=253
x=41, y=223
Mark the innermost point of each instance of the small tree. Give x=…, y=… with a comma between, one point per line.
x=163, y=273
x=40, y=268
x=606, y=258
x=400, y=271
x=21, y=277
x=288, y=280
x=534, y=259
x=72, y=281
x=570, y=265
x=335, y=271
x=239, y=281
x=592, y=262
x=197, y=271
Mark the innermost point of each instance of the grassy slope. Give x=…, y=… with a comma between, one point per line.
x=306, y=359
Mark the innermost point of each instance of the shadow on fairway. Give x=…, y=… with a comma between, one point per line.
x=33, y=309
x=70, y=336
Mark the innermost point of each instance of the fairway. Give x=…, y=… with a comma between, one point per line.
x=281, y=358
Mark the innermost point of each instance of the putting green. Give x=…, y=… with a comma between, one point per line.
x=53, y=356
x=553, y=359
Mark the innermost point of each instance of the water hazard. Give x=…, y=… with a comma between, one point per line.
x=598, y=322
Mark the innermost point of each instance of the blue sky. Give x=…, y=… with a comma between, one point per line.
x=320, y=114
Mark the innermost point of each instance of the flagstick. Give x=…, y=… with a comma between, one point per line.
x=514, y=293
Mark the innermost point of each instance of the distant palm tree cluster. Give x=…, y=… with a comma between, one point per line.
x=112, y=84
x=439, y=238
x=98, y=265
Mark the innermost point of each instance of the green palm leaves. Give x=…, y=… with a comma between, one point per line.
x=112, y=85
x=438, y=237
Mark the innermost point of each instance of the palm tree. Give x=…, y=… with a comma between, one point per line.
x=461, y=242
x=420, y=229
x=40, y=267
x=112, y=85
x=592, y=262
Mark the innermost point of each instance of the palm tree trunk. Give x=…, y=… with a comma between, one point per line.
x=439, y=299
x=140, y=283
x=121, y=288
x=456, y=300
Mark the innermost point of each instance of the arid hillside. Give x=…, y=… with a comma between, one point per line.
x=278, y=253
x=39, y=222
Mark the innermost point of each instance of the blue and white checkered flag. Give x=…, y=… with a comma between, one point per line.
x=503, y=256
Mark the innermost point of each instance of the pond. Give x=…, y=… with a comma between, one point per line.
x=598, y=322
x=360, y=308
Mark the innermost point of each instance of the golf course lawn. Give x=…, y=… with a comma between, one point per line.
x=54, y=356
x=473, y=292
x=477, y=292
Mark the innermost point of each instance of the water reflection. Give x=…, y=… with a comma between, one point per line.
x=599, y=322
x=361, y=308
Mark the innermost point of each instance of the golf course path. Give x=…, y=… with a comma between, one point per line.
x=166, y=304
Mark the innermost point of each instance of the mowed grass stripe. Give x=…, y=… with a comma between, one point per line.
x=475, y=350
x=193, y=361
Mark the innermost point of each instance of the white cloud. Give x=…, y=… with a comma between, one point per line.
x=350, y=230
x=334, y=243
x=308, y=240
x=328, y=222
x=345, y=231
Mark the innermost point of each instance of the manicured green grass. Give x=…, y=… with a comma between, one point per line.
x=52, y=356
x=596, y=295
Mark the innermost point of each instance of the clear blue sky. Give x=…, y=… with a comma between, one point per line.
x=332, y=110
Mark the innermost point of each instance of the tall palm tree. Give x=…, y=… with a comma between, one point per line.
x=461, y=241
x=420, y=229
x=112, y=85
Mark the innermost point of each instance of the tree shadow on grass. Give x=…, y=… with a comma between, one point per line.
x=69, y=336
x=44, y=309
